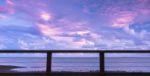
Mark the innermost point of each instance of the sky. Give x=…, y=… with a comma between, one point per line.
x=75, y=24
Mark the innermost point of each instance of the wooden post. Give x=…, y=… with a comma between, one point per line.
x=49, y=63
x=102, y=63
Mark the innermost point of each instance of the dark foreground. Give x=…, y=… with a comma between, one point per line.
x=74, y=74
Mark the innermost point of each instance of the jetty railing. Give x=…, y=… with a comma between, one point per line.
x=100, y=52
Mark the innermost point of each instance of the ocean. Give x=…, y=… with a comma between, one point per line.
x=76, y=64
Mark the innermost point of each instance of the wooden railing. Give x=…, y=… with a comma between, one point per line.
x=50, y=52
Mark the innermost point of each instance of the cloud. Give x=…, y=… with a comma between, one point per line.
x=34, y=44
x=114, y=44
x=93, y=25
x=81, y=37
x=10, y=6
x=2, y=16
x=45, y=16
x=120, y=15
x=125, y=19
x=129, y=30
x=76, y=38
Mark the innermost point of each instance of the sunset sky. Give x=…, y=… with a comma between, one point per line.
x=75, y=24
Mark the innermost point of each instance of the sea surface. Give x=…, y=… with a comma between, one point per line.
x=76, y=64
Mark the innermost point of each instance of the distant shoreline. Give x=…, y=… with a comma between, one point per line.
x=4, y=68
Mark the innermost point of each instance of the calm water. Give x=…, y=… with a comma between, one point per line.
x=134, y=64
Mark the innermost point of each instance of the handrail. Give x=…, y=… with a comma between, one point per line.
x=50, y=52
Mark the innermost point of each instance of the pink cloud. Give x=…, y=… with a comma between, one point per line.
x=13, y=7
x=73, y=29
x=48, y=30
x=55, y=34
x=124, y=19
x=3, y=16
x=10, y=6
x=45, y=16
x=121, y=16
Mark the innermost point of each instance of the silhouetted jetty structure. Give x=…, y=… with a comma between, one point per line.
x=101, y=72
